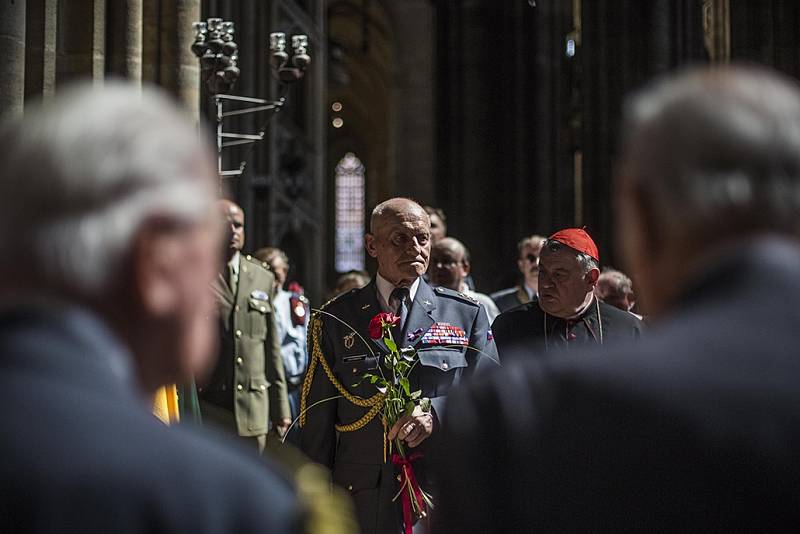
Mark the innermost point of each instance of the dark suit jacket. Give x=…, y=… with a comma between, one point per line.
x=356, y=458
x=695, y=428
x=82, y=453
x=520, y=332
x=512, y=297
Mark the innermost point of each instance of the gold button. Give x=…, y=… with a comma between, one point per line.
x=263, y=387
x=236, y=307
x=350, y=487
x=239, y=387
x=399, y=478
x=238, y=333
x=355, y=370
x=263, y=309
x=239, y=360
x=444, y=365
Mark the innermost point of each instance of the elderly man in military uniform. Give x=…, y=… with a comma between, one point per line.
x=567, y=313
x=342, y=351
x=248, y=385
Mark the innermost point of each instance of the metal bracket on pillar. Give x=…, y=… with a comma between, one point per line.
x=227, y=139
x=218, y=54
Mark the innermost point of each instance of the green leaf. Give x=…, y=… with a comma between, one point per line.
x=391, y=345
x=406, y=386
x=416, y=394
x=409, y=408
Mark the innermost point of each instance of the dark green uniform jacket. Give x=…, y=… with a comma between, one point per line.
x=248, y=380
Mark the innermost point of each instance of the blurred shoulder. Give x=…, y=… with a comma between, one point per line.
x=504, y=293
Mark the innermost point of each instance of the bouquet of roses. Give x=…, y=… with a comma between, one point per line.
x=393, y=382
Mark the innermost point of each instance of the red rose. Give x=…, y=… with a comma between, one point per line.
x=379, y=321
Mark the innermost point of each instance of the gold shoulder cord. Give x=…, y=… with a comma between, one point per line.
x=374, y=403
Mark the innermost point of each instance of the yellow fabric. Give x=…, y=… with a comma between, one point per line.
x=165, y=404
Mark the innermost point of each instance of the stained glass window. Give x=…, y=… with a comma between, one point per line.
x=349, y=214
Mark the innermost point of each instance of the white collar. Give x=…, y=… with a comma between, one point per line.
x=385, y=289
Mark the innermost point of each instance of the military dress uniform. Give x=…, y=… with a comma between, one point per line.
x=248, y=385
x=441, y=324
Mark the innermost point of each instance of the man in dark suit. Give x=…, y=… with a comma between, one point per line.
x=529, y=248
x=697, y=427
x=248, y=386
x=108, y=242
x=451, y=334
x=567, y=314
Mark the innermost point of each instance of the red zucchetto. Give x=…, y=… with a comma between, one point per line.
x=577, y=239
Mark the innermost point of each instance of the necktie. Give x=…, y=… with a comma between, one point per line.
x=232, y=281
x=398, y=300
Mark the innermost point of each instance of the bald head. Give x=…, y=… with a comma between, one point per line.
x=449, y=263
x=450, y=244
x=233, y=219
x=399, y=239
x=396, y=209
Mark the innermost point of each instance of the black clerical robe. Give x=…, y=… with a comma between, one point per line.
x=527, y=330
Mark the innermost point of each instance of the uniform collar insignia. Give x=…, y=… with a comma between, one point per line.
x=349, y=339
x=365, y=306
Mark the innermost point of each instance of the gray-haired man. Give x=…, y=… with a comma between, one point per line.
x=108, y=243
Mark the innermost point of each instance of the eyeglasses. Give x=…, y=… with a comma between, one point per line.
x=444, y=264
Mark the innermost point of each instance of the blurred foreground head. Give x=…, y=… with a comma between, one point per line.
x=106, y=202
x=710, y=157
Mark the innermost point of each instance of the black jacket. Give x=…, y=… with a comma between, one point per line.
x=81, y=452
x=525, y=331
x=694, y=428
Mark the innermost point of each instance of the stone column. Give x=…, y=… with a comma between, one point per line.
x=81, y=40
x=179, y=69
x=12, y=69
x=40, y=48
x=126, y=39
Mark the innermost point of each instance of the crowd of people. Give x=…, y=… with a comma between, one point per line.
x=547, y=406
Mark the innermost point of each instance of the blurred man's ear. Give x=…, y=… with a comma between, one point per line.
x=369, y=243
x=157, y=254
x=466, y=268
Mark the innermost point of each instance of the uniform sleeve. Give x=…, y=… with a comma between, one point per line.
x=275, y=374
x=481, y=355
x=318, y=433
x=484, y=355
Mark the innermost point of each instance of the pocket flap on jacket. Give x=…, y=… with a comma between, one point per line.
x=357, y=477
x=261, y=306
x=258, y=384
x=444, y=359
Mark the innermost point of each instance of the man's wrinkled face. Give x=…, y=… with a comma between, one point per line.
x=233, y=219
x=402, y=245
x=447, y=267
x=564, y=288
